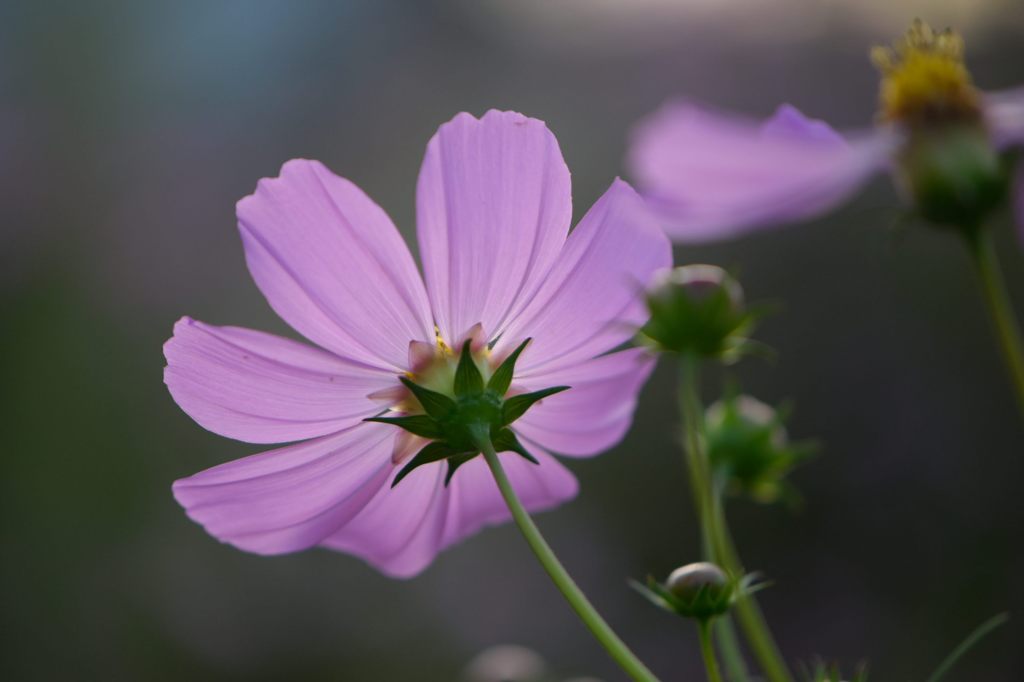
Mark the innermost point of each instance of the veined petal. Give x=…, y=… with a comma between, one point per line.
x=592, y=300
x=596, y=412
x=493, y=207
x=332, y=264
x=1004, y=111
x=262, y=388
x=714, y=176
x=403, y=528
x=292, y=498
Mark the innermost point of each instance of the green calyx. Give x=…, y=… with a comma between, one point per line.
x=459, y=425
x=699, y=310
x=954, y=175
x=701, y=591
x=749, y=450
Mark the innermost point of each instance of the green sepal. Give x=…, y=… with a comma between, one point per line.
x=433, y=452
x=418, y=424
x=505, y=440
x=468, y=380
x=455, y=462
x=516, y=406
x=437, y=405
x=502, y=377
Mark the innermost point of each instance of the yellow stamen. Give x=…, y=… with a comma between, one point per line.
x=924, y=79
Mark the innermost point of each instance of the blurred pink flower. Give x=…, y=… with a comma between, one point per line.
x=493, y=216
x=711, y=175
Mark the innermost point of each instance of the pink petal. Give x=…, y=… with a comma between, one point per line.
x=595, y=413
x=332, y=264
x=1005, y=113
x=592, y=300
x=292, y=498
x=403, y=528
x=493, y=206
x=714, y=176
x=261, y=388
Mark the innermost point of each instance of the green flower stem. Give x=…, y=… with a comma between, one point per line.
x=715, y=529
x=708, y=651
x=579, y=602
x=999, y=307
x=729, y=645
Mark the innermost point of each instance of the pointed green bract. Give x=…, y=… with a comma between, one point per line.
x=435, y=404
x=516, y=406
x=418, y=424
x=468, y=379
x=473, y=417
x=454, y=462
x=505, y=440
x=502, y=377
x=433, y=452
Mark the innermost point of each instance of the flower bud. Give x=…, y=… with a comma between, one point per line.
x=506, y=663
x=701, y=590
x=749, y=449
x=697, y=309
x=687, y=582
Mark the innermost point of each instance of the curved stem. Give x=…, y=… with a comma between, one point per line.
x=999, y=307
x=715, y=528
x=708, y=651
x=563, y=581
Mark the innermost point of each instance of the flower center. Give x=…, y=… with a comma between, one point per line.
x=924, y=79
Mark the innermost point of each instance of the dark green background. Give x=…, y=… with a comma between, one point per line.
x=128, y=131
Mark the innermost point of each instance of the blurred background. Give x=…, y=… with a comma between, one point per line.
x=129, y=130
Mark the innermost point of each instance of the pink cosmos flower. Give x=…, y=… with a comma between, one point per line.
x=712, y=175
x=500, y=267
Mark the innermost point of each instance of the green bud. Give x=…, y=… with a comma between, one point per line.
x=701, y=591
x=953, y=175
x=687, y=583
x=749, y=449
x=699, y=310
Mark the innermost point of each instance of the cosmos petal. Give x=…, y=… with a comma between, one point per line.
x=290, y=499
x=596, y=412
x=1004, y=111
x=332, y=264
x=592, y=300
x=403, y=528
x=262, y=388
x=493, y=207
x=713, y=176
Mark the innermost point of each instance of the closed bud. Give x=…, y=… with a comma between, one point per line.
x=689, y=582
x=698, y=310
x=749, y=449
x=701, y=590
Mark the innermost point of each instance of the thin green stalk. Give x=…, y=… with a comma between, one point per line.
x=716, y=531
x=729, y=646
x=994, y=288
x=563, y=581
x=708, y=651
x=976, y=636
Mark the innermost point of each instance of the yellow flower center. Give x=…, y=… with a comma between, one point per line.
x=924, y=79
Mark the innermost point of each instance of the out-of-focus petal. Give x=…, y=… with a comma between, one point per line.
x=595, y=413
x=332, y=264
x=291, y=498
x=493, y=207
x=403, y=528
x=592, y=300
x=262, y=388
x=713, y=176
x=1004, y=111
